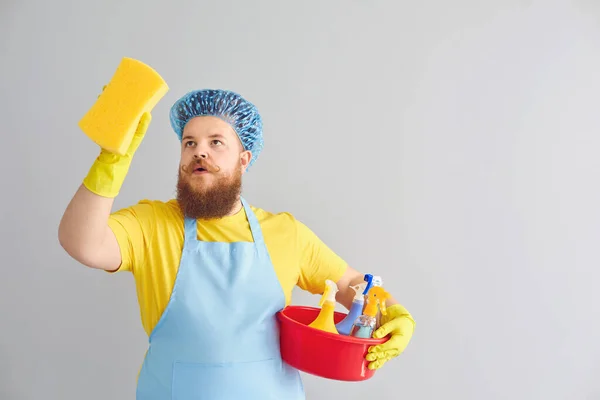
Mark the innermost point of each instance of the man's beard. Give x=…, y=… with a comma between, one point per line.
x=214, y=201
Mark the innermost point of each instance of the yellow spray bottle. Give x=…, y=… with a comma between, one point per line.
x=365, y=324
x=324, y=320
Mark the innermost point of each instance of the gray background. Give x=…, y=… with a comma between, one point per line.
x=449, y=146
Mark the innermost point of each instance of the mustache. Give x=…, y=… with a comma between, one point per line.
x=200, y=163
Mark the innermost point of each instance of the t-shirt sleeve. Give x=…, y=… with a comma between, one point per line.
x=317, y=261
x=133, y=228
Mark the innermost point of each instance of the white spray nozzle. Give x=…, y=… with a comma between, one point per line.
x=330, y=291
x=359, y=289
x=372, y=281
x=377, y=281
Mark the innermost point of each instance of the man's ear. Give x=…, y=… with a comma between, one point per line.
x=245, y=158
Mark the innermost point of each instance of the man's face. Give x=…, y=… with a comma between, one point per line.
x=211, y=167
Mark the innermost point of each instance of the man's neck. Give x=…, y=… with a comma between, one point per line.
x=236, y=208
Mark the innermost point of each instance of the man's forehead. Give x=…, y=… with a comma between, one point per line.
x=208, y=125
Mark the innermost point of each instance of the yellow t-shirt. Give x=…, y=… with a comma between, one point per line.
x=151, y=236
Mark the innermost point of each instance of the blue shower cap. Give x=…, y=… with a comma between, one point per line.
x=242, y=115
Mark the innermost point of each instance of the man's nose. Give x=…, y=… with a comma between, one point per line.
x=200, y=154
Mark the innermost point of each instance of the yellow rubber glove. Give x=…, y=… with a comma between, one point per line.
x=399, y=323
x=108, y=172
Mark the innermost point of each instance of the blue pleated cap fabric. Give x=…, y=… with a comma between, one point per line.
x=242, y=115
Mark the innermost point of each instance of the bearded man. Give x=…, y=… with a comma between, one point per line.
x=211, y=270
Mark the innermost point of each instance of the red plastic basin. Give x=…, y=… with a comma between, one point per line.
x=321, y=353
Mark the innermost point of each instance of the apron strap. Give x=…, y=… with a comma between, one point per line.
x=254, y=226
x=191, y=231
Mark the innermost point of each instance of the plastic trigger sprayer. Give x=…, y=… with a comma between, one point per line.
x=324, y=320
x=345, y=326
x=365, y=324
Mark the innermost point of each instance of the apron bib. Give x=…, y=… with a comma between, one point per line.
x=218, y=338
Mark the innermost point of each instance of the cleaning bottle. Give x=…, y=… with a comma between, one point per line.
x=365, y=324
x=324, y=320
x=345, y=326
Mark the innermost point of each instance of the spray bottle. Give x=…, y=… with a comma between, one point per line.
x=345, y=326
x=365, y=324
x=324, y=320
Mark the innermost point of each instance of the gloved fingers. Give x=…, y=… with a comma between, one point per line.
x=384, y=330
x=140, y=132
x=386, y=355
x=397, y=343
x=398, y=313
x=377, y=364
x=403, y=324
x=377, y=349
x=393, y=343
x=145, y=120
x=380, y=354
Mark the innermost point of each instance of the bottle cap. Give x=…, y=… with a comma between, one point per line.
x=376, y=298
x=330, y=291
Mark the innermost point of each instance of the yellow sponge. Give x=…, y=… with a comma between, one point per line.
x=135, y=88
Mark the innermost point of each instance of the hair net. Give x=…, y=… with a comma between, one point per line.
x=242, y=115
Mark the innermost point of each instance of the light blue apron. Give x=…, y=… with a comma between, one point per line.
x=218, y=338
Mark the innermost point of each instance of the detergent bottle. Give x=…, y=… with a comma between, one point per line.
x=345, y=326
x=365, y=324
x=324, y=320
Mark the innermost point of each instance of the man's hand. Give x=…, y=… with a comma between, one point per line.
x=108, y=173
x=399, y=323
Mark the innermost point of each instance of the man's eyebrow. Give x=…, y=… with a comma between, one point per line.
x=212, y=136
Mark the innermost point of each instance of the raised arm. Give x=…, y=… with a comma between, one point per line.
x=83, y=231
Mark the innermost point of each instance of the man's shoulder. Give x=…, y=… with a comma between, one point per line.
x=281, y=222
x=156, y=209
x=281, y=218
x=285, y=222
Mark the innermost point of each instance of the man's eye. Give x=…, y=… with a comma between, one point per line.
x=217, y=142
x=189, y=143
